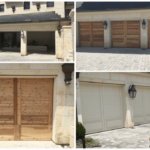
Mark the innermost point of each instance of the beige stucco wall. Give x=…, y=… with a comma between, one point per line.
x=124, y=15
x=63, y=95
x=72, y=27
x=59, y=8
x=124, y=79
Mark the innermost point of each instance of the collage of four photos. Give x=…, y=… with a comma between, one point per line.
x=74, y=74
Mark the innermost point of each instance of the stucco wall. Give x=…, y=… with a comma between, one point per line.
x=63, y=95
x=59, y=8
x=125, y=15
x=125, y=79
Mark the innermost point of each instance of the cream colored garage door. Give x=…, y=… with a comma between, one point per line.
x=101, y=107
x=142, y=106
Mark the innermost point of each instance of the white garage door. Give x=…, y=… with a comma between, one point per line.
x=101, y=107
x=142, y=106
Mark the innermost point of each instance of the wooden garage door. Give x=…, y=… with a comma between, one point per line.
x=125, y=34
x=101, y=107
x=26, y=109
x=91, y=34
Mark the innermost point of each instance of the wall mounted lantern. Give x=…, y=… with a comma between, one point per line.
x=143, y=24
x=67, y=69
x=105, y=25
x=13, y=8
x=132, y=91
x=59, y=28
x=22, y=34
x=38, y=6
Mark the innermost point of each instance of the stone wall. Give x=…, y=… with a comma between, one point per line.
x=125, y=79
x=59, y=8
x=63, y=95
x=125, y=15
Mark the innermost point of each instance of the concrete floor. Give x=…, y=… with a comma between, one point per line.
x=15, y=56
x=112, y=59
x=28, y=144
x=124, y=138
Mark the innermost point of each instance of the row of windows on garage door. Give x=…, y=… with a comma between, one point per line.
x=123, y=34
x=103, y=106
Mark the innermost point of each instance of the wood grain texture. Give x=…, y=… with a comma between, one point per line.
x=26, y=109
x=91, y=34
x=125, y=34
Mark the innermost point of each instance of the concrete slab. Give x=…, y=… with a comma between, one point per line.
x=124, y=138
x=112, y=59
x=15, y=56
x=28, y=144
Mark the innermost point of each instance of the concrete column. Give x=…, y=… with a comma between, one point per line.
x=107, y=35
x=77, y=35
x=24, y=44
x=129, y=118
x=79, y=111
x=144, y=34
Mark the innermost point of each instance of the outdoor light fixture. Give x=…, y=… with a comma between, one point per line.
x=105, y=25
x=67, y=69
x=132, y=91
x=59, y=28
x=38, y=6
x=22, y=34
x=143, y=24
x=13, y=8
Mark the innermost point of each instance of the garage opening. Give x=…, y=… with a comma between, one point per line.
x=37, y=42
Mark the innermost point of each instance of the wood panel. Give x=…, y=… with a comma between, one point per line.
x=7, y=109
x=91, y=34
x=36, y=109
x=125, y=34
x=26, y=109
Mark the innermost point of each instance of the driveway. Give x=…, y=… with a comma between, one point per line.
x=112, y=59
x=15, y=56
x=124, y=138
x=28, y=144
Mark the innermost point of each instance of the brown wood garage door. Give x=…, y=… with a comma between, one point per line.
x=91, y=34
x=26, y=109
x=125, y=34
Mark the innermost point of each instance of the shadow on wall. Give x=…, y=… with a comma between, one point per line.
x=113, y=50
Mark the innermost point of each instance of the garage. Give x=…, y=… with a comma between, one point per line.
x=26, y=109
x=141, y=106
x=101, y=106
x=125, y=34
x=91, y=34
x=37, y=42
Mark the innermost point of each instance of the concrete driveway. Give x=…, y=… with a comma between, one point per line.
x=112, y=59
x=124, y=138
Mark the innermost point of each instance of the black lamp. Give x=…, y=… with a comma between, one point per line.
x=59, y=28
x=67, y=69
x=38, y=6
x=143, y=24
x=13, y=8
x=105, y=25
x=132, y=91
x=22, y=34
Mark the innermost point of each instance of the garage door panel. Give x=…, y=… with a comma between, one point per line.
x=91, y=34
x=104, y=108
x=35, y=133
x=6, y=132
x=129, y=31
